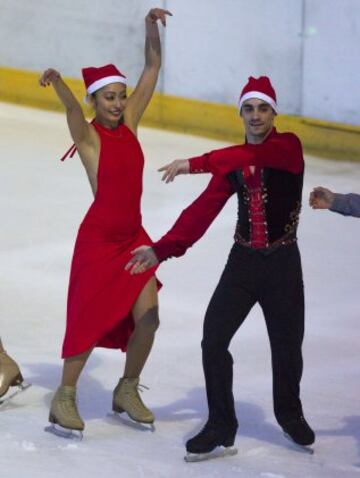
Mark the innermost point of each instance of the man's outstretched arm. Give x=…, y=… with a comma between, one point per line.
x=280, y=151
x=191, y=225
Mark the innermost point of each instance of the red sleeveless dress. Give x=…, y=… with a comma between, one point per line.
x=101, y=293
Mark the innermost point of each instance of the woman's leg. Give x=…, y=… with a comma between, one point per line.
x=146, y=318
x=126, y=397
x=63, y=410
x=73, y=367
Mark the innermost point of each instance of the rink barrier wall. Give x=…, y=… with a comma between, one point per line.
x=212, y=120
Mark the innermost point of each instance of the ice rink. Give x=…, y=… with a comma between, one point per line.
x=42, y=204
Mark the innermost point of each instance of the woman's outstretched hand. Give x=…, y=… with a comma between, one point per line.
x=49, y=76
x=179, y=166
x=156, y=14
x=143, y=259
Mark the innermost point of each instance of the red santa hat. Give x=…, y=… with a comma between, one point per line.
x=96, y=78
x=259, y=88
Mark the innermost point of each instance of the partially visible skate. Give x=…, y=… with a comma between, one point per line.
x=126, y=398
x=21, y=387
x=10, y=375
x=64, y=414
x=219, y=452
x=62, y=432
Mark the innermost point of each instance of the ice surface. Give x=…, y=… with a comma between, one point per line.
x=42, y=202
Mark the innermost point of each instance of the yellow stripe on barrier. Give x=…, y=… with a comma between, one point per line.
x=218, y=121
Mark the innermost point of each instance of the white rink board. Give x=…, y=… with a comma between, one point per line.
x=210, y=47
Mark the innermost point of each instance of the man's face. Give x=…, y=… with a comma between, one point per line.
x=258, y=117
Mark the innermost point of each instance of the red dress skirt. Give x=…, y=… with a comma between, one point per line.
x=101, y=293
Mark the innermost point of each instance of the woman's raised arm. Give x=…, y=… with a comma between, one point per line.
x=144, y=89
x=80, y=130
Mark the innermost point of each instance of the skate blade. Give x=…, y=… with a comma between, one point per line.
x=219, y=452
x=302, y=448
x=20, y=387
x=131, y=422
x=62, y=432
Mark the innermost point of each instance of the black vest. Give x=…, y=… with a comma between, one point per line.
x=281, y=193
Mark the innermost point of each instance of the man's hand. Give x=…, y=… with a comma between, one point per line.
x=156, y=14
x=321, y=198
x=144, y=258
x=179, y=166
x=49, y=76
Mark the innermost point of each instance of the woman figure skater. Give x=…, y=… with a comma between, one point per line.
x=107, y=306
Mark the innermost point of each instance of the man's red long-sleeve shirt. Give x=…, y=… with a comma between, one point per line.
x=281, y=151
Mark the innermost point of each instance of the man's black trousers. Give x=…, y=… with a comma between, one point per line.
x=274, y=280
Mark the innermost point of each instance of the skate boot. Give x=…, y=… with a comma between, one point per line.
x=126, y=398
x=299, y=431
x=64, y=412
x=10, y=375
x=205, y=444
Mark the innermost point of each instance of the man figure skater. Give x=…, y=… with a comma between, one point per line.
x=264, y=266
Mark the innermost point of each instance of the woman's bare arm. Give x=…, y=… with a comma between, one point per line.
x=144, y=89
x=81, y=132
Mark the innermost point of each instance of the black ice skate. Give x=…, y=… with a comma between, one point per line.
x=211, y=442
x=299, y=433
